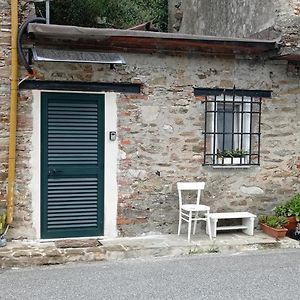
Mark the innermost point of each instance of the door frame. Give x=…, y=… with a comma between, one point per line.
x=110, y=162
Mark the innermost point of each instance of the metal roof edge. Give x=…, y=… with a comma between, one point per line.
x=64, y=31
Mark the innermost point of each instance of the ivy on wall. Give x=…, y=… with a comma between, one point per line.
x=107, y=13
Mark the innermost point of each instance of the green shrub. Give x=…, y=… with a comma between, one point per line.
x=106, y=13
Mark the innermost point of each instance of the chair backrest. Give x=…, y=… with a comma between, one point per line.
x=190, y=186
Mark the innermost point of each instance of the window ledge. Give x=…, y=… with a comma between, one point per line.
x=231, y=167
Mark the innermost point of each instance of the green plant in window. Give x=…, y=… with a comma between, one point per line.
x=232, y=153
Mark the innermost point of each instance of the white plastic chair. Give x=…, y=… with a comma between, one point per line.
x=190, y=212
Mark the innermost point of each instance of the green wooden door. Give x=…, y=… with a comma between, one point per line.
x=72, y=165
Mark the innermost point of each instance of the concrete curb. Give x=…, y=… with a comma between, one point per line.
x=25, y=254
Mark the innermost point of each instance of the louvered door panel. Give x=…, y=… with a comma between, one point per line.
x=72, y=203
x=70, y=127
x=73, y=159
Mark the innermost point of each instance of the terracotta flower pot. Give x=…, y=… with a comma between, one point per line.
x=292, y=224
x=277, y=233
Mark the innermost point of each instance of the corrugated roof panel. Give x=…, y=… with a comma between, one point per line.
x=55, y=55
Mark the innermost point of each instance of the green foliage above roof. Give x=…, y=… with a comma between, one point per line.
x=107, y=13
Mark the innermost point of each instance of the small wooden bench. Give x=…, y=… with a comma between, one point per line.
x=247, y=222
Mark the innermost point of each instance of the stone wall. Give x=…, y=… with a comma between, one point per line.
x=4, y=94
x=164, y=143
x=237, y=18
x=266, y=19
x=23, y=211
x=160, y=135
x=161, y=141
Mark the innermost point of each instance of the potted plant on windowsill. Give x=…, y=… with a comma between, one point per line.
x=291, y=210
x=231, y=157
x=273, y=225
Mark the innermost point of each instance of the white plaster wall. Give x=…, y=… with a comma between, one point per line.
x=110, y=171
x=36, y=162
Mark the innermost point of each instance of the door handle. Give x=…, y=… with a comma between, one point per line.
x=54, y=172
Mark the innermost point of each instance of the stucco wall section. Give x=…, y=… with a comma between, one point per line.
x=161, y=142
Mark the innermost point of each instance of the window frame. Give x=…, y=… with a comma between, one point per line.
x=247, y=137
x=236, y=121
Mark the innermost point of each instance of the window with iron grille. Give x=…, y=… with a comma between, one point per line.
x=232, y=126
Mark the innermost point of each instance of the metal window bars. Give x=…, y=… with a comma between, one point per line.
x=232, y=126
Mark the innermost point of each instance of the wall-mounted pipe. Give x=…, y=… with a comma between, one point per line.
x=16, y=45
x=22, y=30
x=13, y=112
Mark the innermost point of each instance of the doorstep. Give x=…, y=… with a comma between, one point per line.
x=33, y=253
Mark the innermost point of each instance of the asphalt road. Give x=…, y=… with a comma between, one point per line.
x=259, y=275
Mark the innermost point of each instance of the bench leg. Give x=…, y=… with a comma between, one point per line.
x=208, y=226
x=213, y=227
x=249, y=222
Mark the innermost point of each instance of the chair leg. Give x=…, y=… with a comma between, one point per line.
x=179, y=223
x=195, y=223
x=189, y=226
x=208, y=225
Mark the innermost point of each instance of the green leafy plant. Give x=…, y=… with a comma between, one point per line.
x=232, y=153
x=282, y=209
x=273, y=221
x=2, y=221
x=289, y=208
x=295, y=206
x=262, y=219
x=282, y=221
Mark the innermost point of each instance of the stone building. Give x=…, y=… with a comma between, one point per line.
x=101, y=143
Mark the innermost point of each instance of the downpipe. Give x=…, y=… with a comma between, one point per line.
x=13, y=113
x=16, y=46
x=12, y=120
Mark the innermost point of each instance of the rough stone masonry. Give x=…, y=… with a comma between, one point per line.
x=161, y=141
x=160, y=135
x=25, y=9
x=267, y=19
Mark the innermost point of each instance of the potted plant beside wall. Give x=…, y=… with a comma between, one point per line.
x=2, y=228
x=291, y=210
x=273, y=225
x=231, y=157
